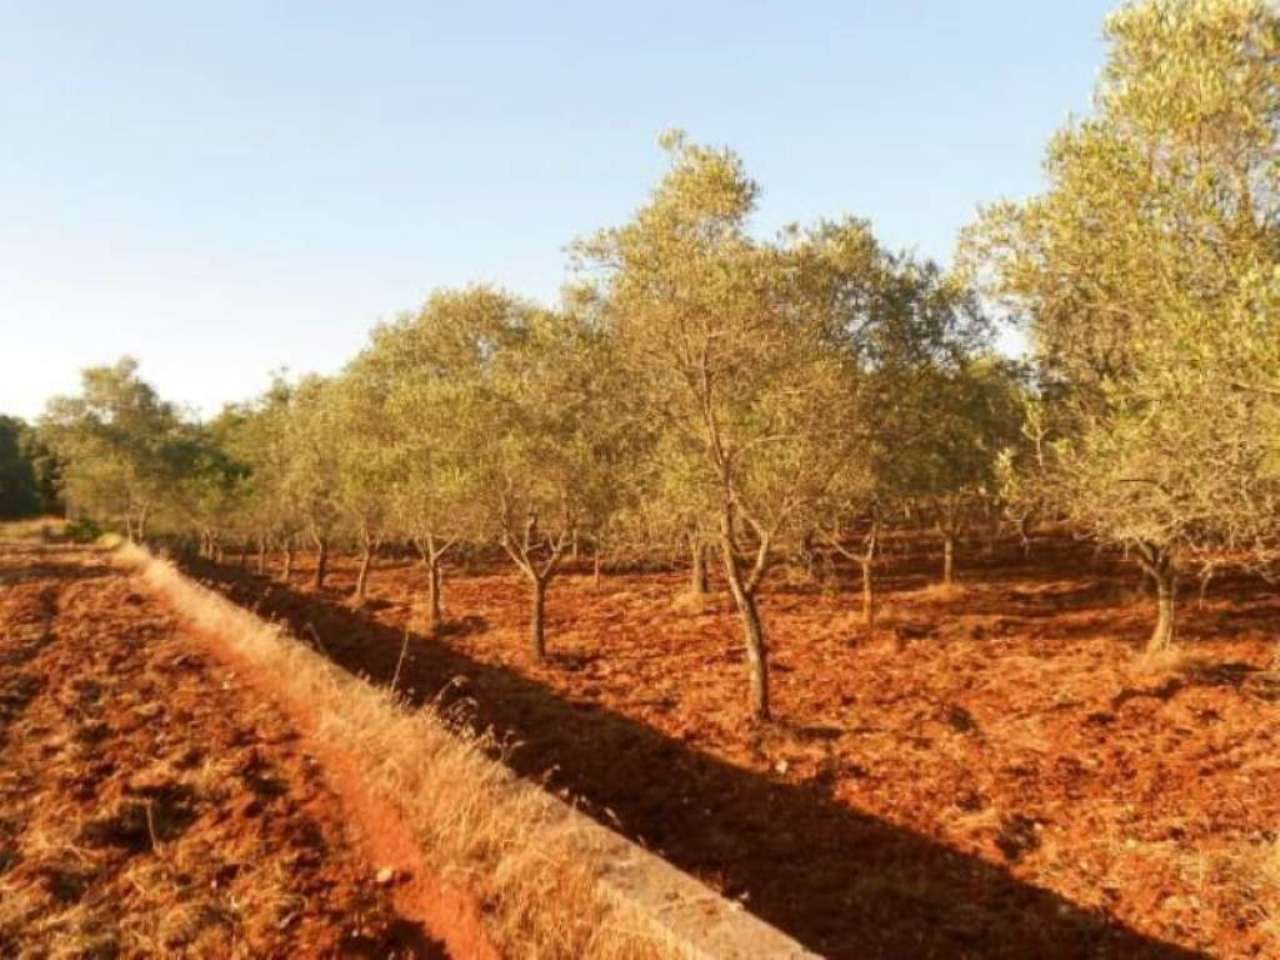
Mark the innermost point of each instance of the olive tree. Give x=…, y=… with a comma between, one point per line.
x=121, y=446
x=950, y=465
x=312, y=467
x=905, y=326
x=1146, y=275
x=432, y=368
x=746, y=381
x=548, y=443
x=364, y=443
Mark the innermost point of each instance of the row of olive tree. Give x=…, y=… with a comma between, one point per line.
x=769, y=393
x=703, y=386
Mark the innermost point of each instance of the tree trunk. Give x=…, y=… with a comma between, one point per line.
x=752, y=628
x=948, y=559
x=537, y=620
x=262, y=554
x=362, y=578
x=757, y=655
x=870, y=543
x=868, y=594
x=807, y=553
x=435, y=591
x=698, y=574
x=1158, y=565
x=1163, y=635
x=244, y=553
x=287, y=571
x=322, y=563
x=1024, y=535
x=595, y=567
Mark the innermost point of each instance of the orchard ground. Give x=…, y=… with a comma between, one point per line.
x=995, y=772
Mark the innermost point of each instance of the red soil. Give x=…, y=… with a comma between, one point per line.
x=993, y=774
x=454, y=917
x=150, y=805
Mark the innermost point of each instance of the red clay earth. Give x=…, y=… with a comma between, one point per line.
x=994, y=773
x=150, y=804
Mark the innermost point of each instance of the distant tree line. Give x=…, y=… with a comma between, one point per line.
x=28, y=472
x=704, y=392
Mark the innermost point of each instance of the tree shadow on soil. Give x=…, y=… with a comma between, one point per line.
x=845, y=884
x=51, y=571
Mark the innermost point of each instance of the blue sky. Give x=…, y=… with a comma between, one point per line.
x=226, y=188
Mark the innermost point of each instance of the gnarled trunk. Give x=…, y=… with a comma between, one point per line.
x=1160, y=567
x=744, y=598
x=432, y=557
x=1162, y=637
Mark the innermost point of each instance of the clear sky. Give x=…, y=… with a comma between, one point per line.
x=224, y=188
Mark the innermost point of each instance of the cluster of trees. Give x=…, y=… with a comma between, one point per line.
x=1148, y=275
x=699, y=387
x=28, y=471
x=720, y=394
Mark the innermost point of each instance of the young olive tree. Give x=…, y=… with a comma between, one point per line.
x=261, y=440
x=1147, y=278
x=433, y=369
x=367, y=462
x=313, y=466
x=746, y=380
x=548, y=443
x=903, y=325
x=950, y=466
x=212, y=495
x=121, y=446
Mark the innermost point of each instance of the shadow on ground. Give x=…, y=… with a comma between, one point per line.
x=844, y=884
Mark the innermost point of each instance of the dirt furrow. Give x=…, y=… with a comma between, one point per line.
x=150, y=805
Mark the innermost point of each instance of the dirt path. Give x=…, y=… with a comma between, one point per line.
x=149, y=804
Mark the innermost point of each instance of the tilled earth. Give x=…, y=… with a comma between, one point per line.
x=994, y=772
x=149, y=805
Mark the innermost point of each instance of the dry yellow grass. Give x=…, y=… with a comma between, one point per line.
x=481, y=828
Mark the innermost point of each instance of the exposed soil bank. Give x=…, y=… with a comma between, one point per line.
x=448, y=914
